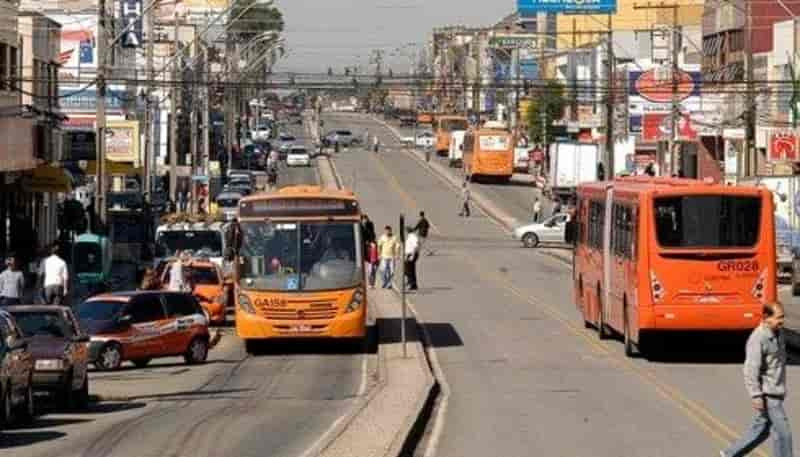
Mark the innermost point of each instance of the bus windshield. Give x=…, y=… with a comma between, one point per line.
x=453, y=124
x=494, y=143
x=200, y=242
x=307, y=256
x=707, y=221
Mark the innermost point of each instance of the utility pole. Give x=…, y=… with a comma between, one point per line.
x=751, y=158
x=573, y=109
x=173, y=117
x=206, y=113
x=609, y=171
x=193, y=125
x=148, y=113
x=100, y=139
x=476, y=93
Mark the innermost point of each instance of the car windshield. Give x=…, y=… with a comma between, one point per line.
x=44, y=323
x=707, y=221
x=99, y=310
x=300, y=256
x=453, y=124
x=207, y=242
x=298, y=151
x=343, y=132
x=228, y=202
x=88, y=258
x=202, y=275
x=287, y=138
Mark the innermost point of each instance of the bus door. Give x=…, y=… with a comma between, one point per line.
x=622, y=266
x=607, y=255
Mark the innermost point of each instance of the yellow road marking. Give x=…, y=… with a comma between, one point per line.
x=721, y=432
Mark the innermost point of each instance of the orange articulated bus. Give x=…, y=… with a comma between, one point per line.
x=300, y=267
x=660, y=255
x=445, y=125
x=488, y=153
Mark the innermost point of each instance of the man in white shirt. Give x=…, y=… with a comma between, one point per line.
x=412, y=255
x=56, y=278
x=177, y=279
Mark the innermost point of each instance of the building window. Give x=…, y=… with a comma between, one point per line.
x=13, y=68
x=3, y=65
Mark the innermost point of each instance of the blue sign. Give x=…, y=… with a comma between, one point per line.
x=528, y=8
x=86, y=100
x=529, y=69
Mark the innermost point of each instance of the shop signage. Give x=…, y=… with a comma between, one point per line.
x=656, y=85
x=656, y=127
x=783, y=146
x=131, y=13
x=122, y=141
x=522, y=41
x=528, y=8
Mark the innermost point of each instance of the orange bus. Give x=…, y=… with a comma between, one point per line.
x=300, y=268
x=444, y=125
x=488, y=153
x=659, y=255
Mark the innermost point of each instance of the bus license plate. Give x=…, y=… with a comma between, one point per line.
x=300, y=328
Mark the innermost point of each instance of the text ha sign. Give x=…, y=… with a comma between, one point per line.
x=131, y=15
x=529, y=8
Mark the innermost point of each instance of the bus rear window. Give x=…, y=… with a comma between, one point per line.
x=707, y=221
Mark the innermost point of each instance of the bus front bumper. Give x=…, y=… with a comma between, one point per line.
x=700, y=318
x=349, y=325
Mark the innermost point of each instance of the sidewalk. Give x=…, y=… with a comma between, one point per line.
x=494, y=211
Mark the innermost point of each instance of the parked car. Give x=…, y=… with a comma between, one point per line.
x=16, y=373
x=550, y=230
x=228, y=204
x=60, y=351
x=208, y=287
x=298, y=156
x=425, y=140
x=239, y=187
x=142, y=325
x=261, y=133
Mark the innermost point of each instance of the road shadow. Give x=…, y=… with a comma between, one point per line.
x=718, y=348
x=49, y=422
x=194, y=395
x=184, y=368
x=312, y=346
x=440, y=334
x=111, y=407
x=12, y=439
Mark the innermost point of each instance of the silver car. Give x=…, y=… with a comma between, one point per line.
x=550, y=230
x=228, y=203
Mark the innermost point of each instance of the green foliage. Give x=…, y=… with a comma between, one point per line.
x=255, y=21
x=551, y=101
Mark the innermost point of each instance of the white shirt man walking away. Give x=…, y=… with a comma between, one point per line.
x=765, y=380
x=56, y=278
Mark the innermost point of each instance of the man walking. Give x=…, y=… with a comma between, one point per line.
x=56, y=278
x=421, y=229
x=537, y=210
x=367, y=230
x=388, y=248
x=765, y=381
x=556, y=207
x=12, y=283
x=465, y=200
x=411, y=257
x=376, y=144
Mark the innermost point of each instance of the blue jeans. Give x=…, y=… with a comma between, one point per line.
x=388, y=272
x=773, y=421
x=372, y=269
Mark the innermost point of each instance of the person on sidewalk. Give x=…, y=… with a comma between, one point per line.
x=537, y=210
x=373, y=262
x=367, y=230
x=411, y=257
x=376, y=144
x=366, y=138
x=465, y=200
x=556, y=207
x=765, y=381
x=12, y=283
x=388, y=248
x=56, y=278
x=422, y=228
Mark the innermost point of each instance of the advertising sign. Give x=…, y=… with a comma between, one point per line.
x=122, y=141
x=783, y=146
x=74, y=99
x=77, y=54
x=528, y=8
x=130, y=11
x=655, y=127
x=529, y=69
x=517, y=40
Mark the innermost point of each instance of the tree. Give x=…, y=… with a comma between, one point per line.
x=255, y=21
x=549, y=101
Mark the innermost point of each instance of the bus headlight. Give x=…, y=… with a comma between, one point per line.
x=245, y=304
x=355, y=302
x=656, y=288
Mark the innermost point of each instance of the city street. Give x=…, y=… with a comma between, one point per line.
x=524, y=376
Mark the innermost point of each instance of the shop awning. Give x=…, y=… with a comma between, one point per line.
x=46, y=178
x=112, y=168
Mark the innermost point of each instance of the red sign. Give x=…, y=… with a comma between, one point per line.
x=655, y=127
x=784, y=146
x=657, y=86
x=686, y=130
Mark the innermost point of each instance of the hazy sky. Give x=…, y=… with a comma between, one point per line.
x=339, y=33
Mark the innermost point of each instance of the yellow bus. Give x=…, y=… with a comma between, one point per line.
x=300, y=266
x=443, y=126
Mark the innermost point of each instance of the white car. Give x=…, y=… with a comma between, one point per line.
x=550, y=230
x=298, y=156
x=261, y=133
x=425, y=140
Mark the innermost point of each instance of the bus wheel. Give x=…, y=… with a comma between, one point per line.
x=602, y=330
x=252, y=347
x=630, y=349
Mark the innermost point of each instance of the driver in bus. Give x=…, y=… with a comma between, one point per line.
x=334, y=250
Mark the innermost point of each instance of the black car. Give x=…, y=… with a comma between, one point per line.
x=16, y=373
x=60, y=352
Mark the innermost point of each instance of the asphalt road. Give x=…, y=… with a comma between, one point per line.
x=276, y=404
x=525, y=377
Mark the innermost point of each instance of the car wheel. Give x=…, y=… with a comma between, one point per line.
x=197, y=351
x=109, y=358
x=81, y=396
x=65, y=396
x=26, y=411
x=141, y=363
x=530, y=240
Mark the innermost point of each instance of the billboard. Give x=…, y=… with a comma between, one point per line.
x=784, y=145
x=122, y=141
x=529, y=69
x=77, y=56
x=130, y=11
x=528, y=8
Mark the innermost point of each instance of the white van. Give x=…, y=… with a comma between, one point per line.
x=456, y=148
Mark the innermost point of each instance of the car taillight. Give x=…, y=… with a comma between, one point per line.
x=758, y=287
x=656, y=287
